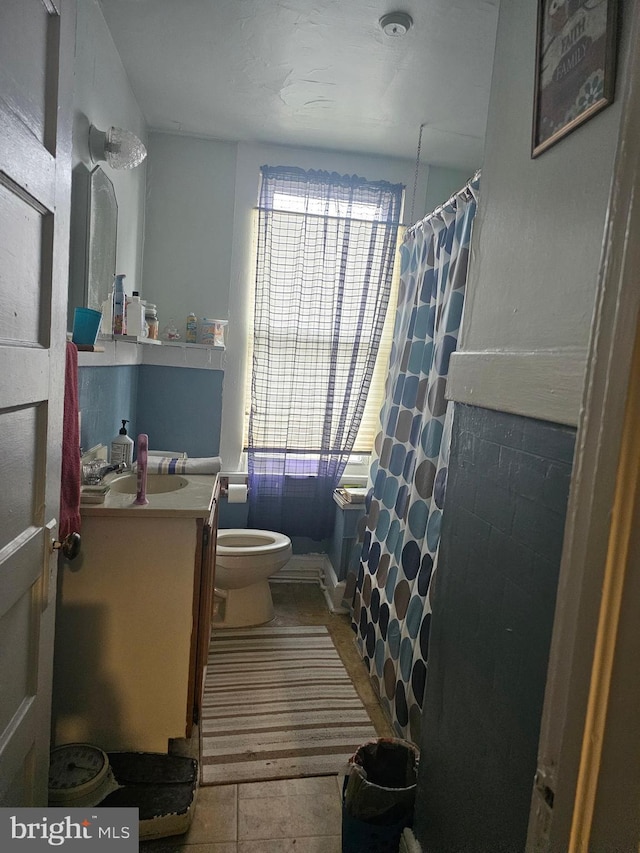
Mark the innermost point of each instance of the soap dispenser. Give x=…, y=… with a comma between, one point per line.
x=122, y=447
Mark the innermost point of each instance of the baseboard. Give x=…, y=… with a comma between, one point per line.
x=314, y=568
x=335, y=588
x=301, y=568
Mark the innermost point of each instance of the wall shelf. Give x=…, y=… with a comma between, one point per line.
x=129, y=351
x=185, y=344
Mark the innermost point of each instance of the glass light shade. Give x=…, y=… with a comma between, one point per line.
x=120, y=148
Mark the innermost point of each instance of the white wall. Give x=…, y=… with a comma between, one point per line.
x=536, y=245
x=189, y=227
x=103, y=97
x=442, y=184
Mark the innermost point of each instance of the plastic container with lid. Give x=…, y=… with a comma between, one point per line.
x=211, y=332
x=151, y=317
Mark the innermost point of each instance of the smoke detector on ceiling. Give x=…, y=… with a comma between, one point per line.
x=396, y=24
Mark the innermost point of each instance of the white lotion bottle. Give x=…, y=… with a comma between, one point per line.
x=122, y=447
x=136, y=323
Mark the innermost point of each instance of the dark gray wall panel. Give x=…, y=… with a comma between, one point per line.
x=491, y=629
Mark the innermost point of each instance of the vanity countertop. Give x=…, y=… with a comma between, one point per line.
x=193, y=500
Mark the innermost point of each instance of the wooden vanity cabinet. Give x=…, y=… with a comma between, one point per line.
x=204, y=582
x=133, y=627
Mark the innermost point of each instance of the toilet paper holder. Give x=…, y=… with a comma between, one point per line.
x=232, y=479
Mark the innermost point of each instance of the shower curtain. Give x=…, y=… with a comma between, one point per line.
x=391, y=611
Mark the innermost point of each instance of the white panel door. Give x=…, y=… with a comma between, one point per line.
x=36, y=50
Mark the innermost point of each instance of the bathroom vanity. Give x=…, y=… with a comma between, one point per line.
x=134, y=618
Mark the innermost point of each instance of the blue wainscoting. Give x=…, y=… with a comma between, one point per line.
x=179, y=408
x=232, y=515
x=106, y=395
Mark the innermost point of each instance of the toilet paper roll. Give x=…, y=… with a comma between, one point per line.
x=237, y=494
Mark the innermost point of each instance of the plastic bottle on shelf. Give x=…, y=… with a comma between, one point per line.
x=119, y=306
x=136, y=323
x=192, y=329
x=106, y=324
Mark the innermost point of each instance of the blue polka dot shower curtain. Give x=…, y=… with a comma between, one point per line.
x=391, y=609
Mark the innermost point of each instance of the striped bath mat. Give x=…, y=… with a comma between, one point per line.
x=278, y=703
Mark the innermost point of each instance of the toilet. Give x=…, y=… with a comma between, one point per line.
x=245, y=559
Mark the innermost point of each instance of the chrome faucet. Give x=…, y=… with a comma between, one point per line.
x=95, y=470
x=109, y=469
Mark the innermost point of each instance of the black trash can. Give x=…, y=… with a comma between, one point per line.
x=378, y=796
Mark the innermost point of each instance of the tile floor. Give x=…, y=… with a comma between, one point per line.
x=290, y=815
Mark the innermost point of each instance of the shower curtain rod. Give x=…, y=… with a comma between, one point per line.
x=436, y=211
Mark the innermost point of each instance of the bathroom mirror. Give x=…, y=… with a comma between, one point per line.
x=101, y=239
x=92, y=246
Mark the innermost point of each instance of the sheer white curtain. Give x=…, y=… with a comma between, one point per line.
x=325, y=255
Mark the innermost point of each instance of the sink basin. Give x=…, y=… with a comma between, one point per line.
x=157, y=484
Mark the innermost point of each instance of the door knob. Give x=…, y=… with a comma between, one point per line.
x=70, y=545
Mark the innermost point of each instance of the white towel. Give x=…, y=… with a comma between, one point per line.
x=176, y=465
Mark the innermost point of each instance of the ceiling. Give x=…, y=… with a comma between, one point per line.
x=314, y=73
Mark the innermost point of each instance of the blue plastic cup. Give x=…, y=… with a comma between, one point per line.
x=86, y=325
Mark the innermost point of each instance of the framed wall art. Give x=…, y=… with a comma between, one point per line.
x=575, y=66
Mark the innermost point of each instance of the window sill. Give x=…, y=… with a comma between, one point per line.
x=355, y=474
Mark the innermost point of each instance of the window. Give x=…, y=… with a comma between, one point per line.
x=325, y=251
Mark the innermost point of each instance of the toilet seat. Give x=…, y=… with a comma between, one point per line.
x=235, y=542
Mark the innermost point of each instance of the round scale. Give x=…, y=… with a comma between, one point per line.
x=79, y=774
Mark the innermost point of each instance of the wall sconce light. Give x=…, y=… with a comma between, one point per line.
x=120, y=148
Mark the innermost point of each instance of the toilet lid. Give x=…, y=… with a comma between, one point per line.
x=239, y=541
